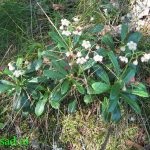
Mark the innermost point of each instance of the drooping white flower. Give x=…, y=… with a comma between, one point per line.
x=98, y=58
x=92, y=18
x=65, y=22
x=135, y=62
x=132, y=46
x=81, y=60
x=132, y=119
x=68, y=54
x=123, y=59
x=77, y=32
x=18, y=73
x=122, y=48
x=97, y=46
x=66, y=33
x=79, y=54
x=11, y=67
x=86, y=44
x=61, y=27
x=87, y=57
x=76, y=19
x=145, y=57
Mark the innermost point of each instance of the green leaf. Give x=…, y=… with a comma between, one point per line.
x=35, y=65
x=79, y=87
x=140, y=90
x=88, y=64
x=53, y=74
x=19, y=62
x=96, y=28
x=135, y=37
x=88, y=99
x=58, y=65
x=5, y=85
x=101, y=73
x=72, y=106
x=124, y=32
x=132, y=103
x=108, y=40
x=115, y=89
x=39, y=109
x=55, y=104
x=38, y=80
x=21, y=101
x=65, y=86
x=116, y=114
x=114, y=61
x=105, y=113
x=114, y=96
x=57, y=39
x=130, y=73
x=100, y=87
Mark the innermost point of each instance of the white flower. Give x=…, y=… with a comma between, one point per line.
x=135, y=62
x=97, y=47
x=145, y=57
x=86, y=44
x=67, y=33
x=132, y=45
x=87, y=57
x=79, y=54
x=92, y=18
x=123, y=59
x=18, y=73
x=65, y=22
x=11, y=67
x=81, y=60
x=26, y=62
x=77, y=32
x=61, y=27
x=122, y=48
x=132, y=119
x=129, y=15
x=98, y=58
x=105, y=11
x=76, y=19
x=68, y=54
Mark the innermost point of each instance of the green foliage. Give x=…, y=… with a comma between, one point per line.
x=86, y=76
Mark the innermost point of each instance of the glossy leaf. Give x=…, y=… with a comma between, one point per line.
x=130, y=73
x=53, y=74
x=65, y=86
x=114, y=61
x=80, y=87
x=135, y=37
x=39, y=109
x=108, y=40
x=133, y=104
x=101, y=73
x=100, y=87
x=72, y=106
x=88, y=99
x=5, y=85
x=116, y=114
x=140, y=90
x=96, y=28
x=124, y=31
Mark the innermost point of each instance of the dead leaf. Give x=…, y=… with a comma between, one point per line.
x=58, y=7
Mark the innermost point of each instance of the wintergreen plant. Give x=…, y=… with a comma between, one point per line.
x=80, y=66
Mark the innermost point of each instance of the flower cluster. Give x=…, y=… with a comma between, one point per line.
x=132, y=46
x=123, y=59
x=66, y=30
x=86, y=44
x=98, y=58
x=145, y=58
